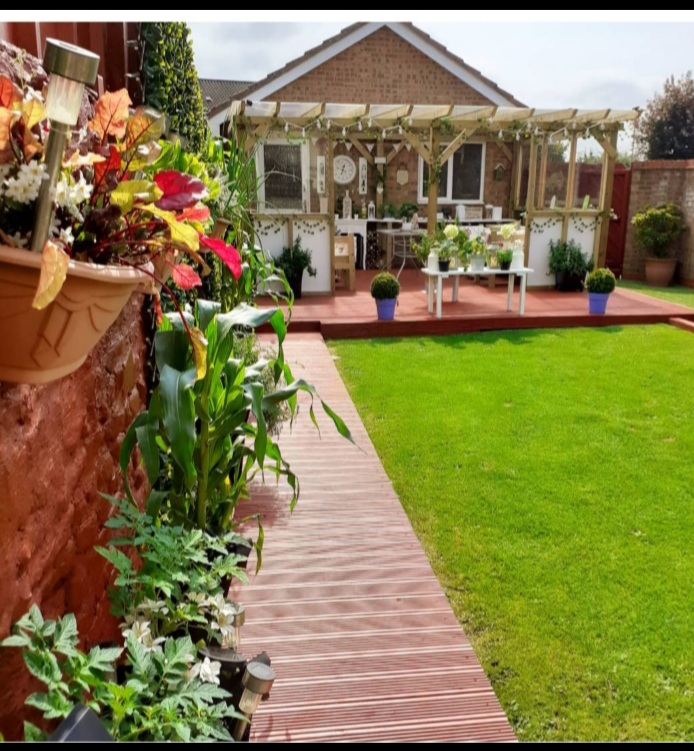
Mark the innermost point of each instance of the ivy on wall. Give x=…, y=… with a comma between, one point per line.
x=170, y=80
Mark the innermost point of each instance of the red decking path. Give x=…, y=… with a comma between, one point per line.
x=363, y=640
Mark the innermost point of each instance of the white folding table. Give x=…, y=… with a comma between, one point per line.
x=435, y=285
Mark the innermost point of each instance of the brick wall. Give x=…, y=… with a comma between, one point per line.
x=654, y=183
x=59, y=447
x=381, y=69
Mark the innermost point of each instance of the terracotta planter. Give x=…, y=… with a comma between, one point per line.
x=38, y=346
x=660, y=271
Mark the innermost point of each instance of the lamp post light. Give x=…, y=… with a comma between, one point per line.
x=71, y=69
x=257, y=682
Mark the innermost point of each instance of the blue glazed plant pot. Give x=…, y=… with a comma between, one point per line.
x=597, y=303
x=386, y=309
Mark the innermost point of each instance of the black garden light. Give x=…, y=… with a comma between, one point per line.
x=257, y=682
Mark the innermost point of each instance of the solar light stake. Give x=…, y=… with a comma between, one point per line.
x=257, y=682
x=71, y=68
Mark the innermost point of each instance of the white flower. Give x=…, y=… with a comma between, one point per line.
x=82, y=191
x=200, y=599
x=451, y=232
x=209, y=671
x=147, y=606
x=141, y=631
x=224, y=623
x=217, y=604
x=18, y=240
x=66, y=236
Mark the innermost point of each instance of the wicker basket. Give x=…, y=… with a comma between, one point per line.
x=473, y=212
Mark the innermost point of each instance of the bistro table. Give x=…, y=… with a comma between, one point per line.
x=435, y=285
x=399, y=245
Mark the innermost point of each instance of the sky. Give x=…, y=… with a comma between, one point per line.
x=544, y=64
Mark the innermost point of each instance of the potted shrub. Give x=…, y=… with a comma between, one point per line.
x=600, y=285
x=569, y=265
x=478, y=254
x=294, y=260
x=385, y=289
x=123, y=208
x=444, y=253
x=657, y=230
x=504, y=259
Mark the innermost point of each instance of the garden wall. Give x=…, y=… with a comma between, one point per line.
x=654, y=183
x=59, y=447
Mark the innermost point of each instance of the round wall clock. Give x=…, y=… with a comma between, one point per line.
x=344, y=169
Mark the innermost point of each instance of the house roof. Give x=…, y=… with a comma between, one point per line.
x=218, y=93
x=355, y=33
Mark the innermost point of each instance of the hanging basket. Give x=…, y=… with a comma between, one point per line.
x=39, y=346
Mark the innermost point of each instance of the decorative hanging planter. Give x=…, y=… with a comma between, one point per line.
x=39, y=346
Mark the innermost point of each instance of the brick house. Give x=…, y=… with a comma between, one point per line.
x=383, y=63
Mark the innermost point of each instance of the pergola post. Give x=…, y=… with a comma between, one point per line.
x=530, y=200
x=570, y=187
x=516, y=172
x=331, y=207
x=609, y=160
x=381, y=175
x=434, y=173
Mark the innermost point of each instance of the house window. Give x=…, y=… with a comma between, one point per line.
x=283, y=175
x=462, y=176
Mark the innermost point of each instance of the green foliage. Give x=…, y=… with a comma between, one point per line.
x=176, y=563
x=170, y=80
x=294, y=260
x=385, y=286
x=407, y=210
x=568, y=257
x=666, y=129
x=658, y=228
x=601, y=281
x=159, y=701
x=504, y=256
x=200, y=416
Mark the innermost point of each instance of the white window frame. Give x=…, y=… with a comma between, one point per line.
x=305, y=177
x=448, y=198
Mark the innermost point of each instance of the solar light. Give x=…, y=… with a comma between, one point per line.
x=70, y=69
x=384, y=133
x=344, y=132
x=361, y=125
x=257, y=682
x=329, y=124
x=303, y=132
x=400, y=130
x=238, y=621
x=286, y=127
x=371, y=122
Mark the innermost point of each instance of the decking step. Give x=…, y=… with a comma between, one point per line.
x=682, y=323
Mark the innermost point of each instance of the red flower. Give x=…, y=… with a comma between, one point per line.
x=228, y=253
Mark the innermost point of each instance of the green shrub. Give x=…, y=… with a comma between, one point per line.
x=568, y=257
x=170, y=80
x=601, y=281
x=385, y=287
x=294, y=260
x=407, y=210
x=657, y=229
x=504, y=256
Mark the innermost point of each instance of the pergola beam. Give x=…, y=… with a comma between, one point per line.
x=453, y=146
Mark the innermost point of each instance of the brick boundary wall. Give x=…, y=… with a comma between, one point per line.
x=657, y=182
x=59, y=448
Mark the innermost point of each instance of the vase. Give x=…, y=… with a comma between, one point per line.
x=597, y=303
x=660, y=271
x=518, y=261
x=477, y=262
x=432, y=262
x=39, y=346
x=386, y=309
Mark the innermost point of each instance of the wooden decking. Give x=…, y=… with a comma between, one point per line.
x=363, y=640
x=353, y=314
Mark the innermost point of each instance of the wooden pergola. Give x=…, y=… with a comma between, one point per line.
x=437, y=131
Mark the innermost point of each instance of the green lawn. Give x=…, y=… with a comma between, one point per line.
x=679, y=295
x=549, y=477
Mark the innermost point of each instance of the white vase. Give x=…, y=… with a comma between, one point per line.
x=476, y=262
x=518, y=261
x=433, y=262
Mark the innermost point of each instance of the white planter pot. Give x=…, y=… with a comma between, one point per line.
x=433, y=262
x=477, y=262
x=518, y=261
